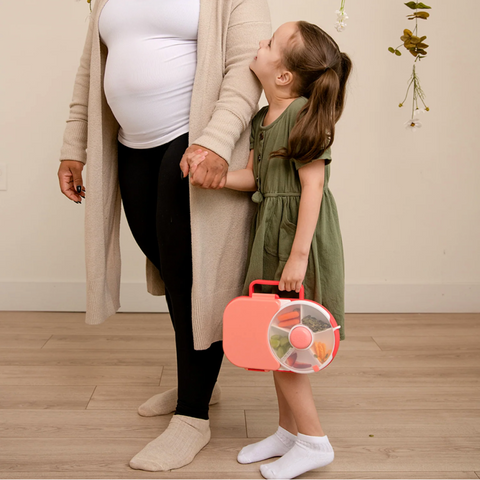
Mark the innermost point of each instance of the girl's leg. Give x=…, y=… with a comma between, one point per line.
x=296, y=392
x=286, y=418
x=312, y=448
x=277, y=444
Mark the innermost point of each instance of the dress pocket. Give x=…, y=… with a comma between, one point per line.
x=279, y=237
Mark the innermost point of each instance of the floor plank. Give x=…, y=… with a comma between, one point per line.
x=118, y=397
x=69, y=424
x=65, y=323
x=421, y=423
x=110, y=342
x=88, y=375
x=366, y=377
x=27, y=341
x=95, y=357
x=447, y=343
x=45, y=397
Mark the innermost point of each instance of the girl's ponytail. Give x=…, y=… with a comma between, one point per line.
x=321, y=72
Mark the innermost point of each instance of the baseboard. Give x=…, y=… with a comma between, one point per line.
x=52, y=296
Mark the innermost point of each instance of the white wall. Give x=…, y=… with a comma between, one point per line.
x=409, y=204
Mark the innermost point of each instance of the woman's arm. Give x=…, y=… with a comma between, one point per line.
x=73, y=154
x=249, y=22
x=75, y=136
x=312, y=177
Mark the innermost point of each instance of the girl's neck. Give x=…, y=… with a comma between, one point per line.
x=277, y=104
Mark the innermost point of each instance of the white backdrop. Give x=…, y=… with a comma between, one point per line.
x=409, y=203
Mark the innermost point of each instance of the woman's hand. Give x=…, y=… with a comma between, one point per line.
x=210, y=173
x=70, y=178
x=293, y=273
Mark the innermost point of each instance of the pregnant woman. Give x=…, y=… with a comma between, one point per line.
x=157, y=80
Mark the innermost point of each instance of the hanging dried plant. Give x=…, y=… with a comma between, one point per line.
x=341, y=17
x=417, y=47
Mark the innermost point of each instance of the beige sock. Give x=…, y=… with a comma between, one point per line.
x=166, y=402
x=176, y=447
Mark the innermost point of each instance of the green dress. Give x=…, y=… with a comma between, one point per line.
x=274, y=224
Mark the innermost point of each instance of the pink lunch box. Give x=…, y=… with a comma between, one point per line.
x=263, y=332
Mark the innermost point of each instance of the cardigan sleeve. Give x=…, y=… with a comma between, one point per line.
x=240, y=90
x=75, y=135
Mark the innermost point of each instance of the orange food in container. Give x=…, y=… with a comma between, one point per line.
x=264, y=332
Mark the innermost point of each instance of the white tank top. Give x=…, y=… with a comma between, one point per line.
x=151, y=63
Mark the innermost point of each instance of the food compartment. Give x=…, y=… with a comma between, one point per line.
x=315, y=318
x=279, y=342
x=301, y=361
x=288, y=317
x=323, y=345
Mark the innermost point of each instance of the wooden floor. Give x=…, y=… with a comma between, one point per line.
x=401, y=399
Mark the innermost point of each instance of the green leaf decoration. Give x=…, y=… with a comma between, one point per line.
x=423, y=6
x=407, y=32
x=423, y=38
x=391, y=49
x=421, y=51
x=422, y=45
x=415, y=39
x=412, y=5
x=398, y=53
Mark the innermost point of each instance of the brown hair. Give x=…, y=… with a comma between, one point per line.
x=320, y=73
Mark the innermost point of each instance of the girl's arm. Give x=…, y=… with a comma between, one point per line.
x=242, y=180
x=312, y=178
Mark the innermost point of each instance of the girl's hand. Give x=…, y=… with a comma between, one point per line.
x=293, y=273
x=210, y=174
x=195, y=158
x=70, y=179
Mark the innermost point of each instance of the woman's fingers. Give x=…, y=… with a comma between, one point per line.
x=184, y=166
x=70, y=180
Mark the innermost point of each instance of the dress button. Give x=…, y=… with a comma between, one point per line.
x=261, y=136
x=259, y=157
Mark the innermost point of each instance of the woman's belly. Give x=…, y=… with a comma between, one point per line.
x=151, y=64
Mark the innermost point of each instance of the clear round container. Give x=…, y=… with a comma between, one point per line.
x=301, y=337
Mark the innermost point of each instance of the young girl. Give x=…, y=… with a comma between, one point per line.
x=295, y=235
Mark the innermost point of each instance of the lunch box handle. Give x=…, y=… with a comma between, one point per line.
x=301, y=294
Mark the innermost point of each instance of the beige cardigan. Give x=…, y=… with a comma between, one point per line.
x=224, y=99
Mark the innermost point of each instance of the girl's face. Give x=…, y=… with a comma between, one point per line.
x=269, y=60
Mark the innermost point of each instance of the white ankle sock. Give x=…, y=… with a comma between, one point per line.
x=166, y=402
x=275, y=445
x=176, y=447
x=307, y=454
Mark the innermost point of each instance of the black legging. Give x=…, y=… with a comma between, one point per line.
x=156, y=203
